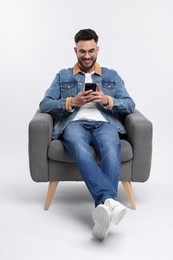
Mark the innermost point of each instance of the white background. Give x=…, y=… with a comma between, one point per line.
x=135, y=38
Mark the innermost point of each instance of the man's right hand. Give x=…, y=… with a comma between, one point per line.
x=82, y=98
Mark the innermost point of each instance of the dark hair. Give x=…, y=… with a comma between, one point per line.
x=86, y=35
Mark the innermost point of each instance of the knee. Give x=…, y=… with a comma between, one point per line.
x=113, y=143
x=112, y=150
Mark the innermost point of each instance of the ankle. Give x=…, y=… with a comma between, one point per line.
x=110, y=203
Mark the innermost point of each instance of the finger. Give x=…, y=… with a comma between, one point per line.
x=87, y=92
x=97, y=95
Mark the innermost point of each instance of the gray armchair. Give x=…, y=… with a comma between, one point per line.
x=49, y=161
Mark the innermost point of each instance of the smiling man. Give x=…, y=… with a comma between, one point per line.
x=86, y=117
x=86, y=52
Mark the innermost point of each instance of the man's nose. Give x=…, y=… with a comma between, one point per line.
x=86, y=56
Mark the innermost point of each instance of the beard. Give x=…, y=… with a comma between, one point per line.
x=86, y=64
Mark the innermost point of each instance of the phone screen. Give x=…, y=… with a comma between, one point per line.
x=89, y=86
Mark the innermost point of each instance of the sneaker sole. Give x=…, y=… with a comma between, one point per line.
x=101, y=218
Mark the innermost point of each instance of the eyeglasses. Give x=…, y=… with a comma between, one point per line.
x=90, y=52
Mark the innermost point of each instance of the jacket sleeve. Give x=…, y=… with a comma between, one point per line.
x=122, y=102
x=52, y=102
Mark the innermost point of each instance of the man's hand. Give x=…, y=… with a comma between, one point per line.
x=99, y=96
x=85, y=97
x=82, y=98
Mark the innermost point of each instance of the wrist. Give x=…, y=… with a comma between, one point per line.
x=72, y=103
x=109, y=104
x=106, y=101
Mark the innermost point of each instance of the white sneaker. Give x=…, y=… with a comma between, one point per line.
x=101, y=217
x=118, y=210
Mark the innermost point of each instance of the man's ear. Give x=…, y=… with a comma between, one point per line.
x=75, y=49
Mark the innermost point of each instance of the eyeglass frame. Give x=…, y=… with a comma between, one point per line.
x=83, y=52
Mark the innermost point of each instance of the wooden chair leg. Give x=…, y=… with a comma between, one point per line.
x=128, y=190
x=50, y=193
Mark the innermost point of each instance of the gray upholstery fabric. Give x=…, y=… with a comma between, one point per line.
x=49, y=161
x=40, y=133
x=57, y=152
x=60, y=171
x=139, y=130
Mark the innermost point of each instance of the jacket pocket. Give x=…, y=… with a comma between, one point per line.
x=69, y=89
x=109, y=88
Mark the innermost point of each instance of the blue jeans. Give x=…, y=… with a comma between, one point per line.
x=101, y=179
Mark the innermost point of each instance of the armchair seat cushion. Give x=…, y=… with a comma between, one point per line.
x=57, y=152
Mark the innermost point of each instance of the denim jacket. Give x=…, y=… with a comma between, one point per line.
x=69, y=82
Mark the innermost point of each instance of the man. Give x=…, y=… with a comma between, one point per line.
x=86, y=117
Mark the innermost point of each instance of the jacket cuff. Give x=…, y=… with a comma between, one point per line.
x=68, y=105
x=110, y=104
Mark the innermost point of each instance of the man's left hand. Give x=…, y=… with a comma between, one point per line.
x=99, y=96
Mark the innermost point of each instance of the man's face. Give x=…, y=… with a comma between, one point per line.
x=86, y=52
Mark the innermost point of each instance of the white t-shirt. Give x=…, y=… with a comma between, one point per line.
x=89, y=111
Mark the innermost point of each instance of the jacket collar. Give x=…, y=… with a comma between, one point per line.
x=97, y=69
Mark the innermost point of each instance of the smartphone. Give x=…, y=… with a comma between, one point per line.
x=89, y=86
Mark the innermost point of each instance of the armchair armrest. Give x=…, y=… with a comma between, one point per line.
x=40, y=133
x=139, y=131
